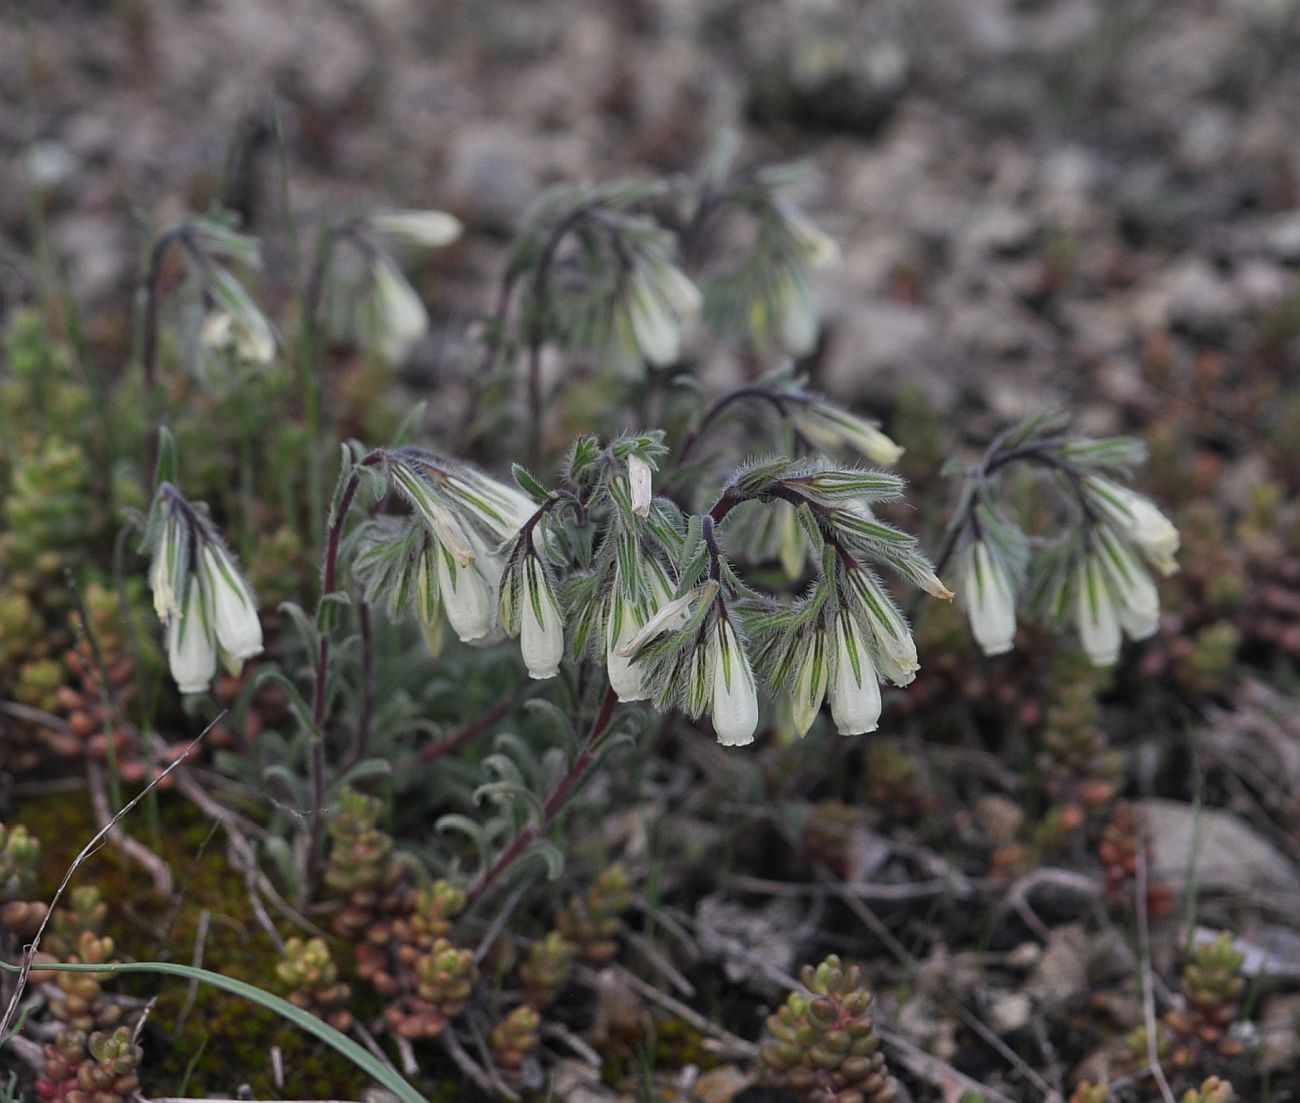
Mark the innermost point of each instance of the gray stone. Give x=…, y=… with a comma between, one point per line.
x=1228, y=855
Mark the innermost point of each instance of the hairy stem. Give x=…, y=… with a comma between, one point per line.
x=555, y=803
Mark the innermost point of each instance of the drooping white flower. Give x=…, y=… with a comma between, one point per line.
x=465, y=596
x=502, y=508
x=655, y=330
x=625, y=675
x=816, y=248
x=990, y=603
x=810, y=682
x=1095, y=613
x=442, y=522
x=234, y=612
x=682, y=296
x=541, y=631
x=167, y=569
x=854, y=689
x=830, y=427
x=1136, y=600
x=796, y=315
x=896, y=650
x=668, y=616
x=734, y=706
x=428, y=608
x=398, y=315
x=191, y=648
x=1137, y=517
x=430, y=229
x=639, y=479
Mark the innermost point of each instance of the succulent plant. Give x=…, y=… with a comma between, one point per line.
x=514, y=1039
x=592, y=921
x=545, y=970
x=312, y=980
x=822, y=1044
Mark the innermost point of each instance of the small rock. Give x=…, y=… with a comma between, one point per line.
x=722, y=1084
x=1279, y=1032
x=1010, y=1011
x=999, y=818
x=1229, y=856
x=756, y=945
x=1062, y=969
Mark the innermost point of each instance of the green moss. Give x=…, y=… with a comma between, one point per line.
x=232, y=1038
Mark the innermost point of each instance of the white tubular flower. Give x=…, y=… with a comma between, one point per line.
x=428, y=609
x=234, y=612
x=735, y=700
x=682, y=295
x=1095, y=613
x=1136, y=598
x=639, y=479
x=830, y=428
x=1137, y=517
x=465, y=596
x=796, y=315
x=191, y=650
x=810, y=683
x=625, y=675
x=166, y=570
x=400, y=319
x=444, y=524
x=501, y=507
x=541, y=632
x=895, y=646
x=668, y=616
x=430, y=229
x=817, y=248
x=990, y=604
x=854, y=690
x=655, y=330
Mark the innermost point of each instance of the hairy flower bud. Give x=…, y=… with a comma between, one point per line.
x=639, y=480
x=810, y=682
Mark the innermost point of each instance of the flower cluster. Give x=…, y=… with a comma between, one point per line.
x=377, y=304
x=227, y=329
x=1097, y=573
x=205, y=604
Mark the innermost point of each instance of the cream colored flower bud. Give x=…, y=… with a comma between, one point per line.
x=400, y=319
x=541, y=631
x=734, y=700
x=1095, y=614
x=191, y=649
x=639, y=479
x=990, y=604
x=465, y=597
x=430, y=229
x=854, y=689
x=234, y=612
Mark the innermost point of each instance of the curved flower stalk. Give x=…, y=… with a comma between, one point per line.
x=447, y=564
x=838, y=641
x=223, y=328
x=202, y=599
x=770, y=290
x=369, y=298
x=1095, y=573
